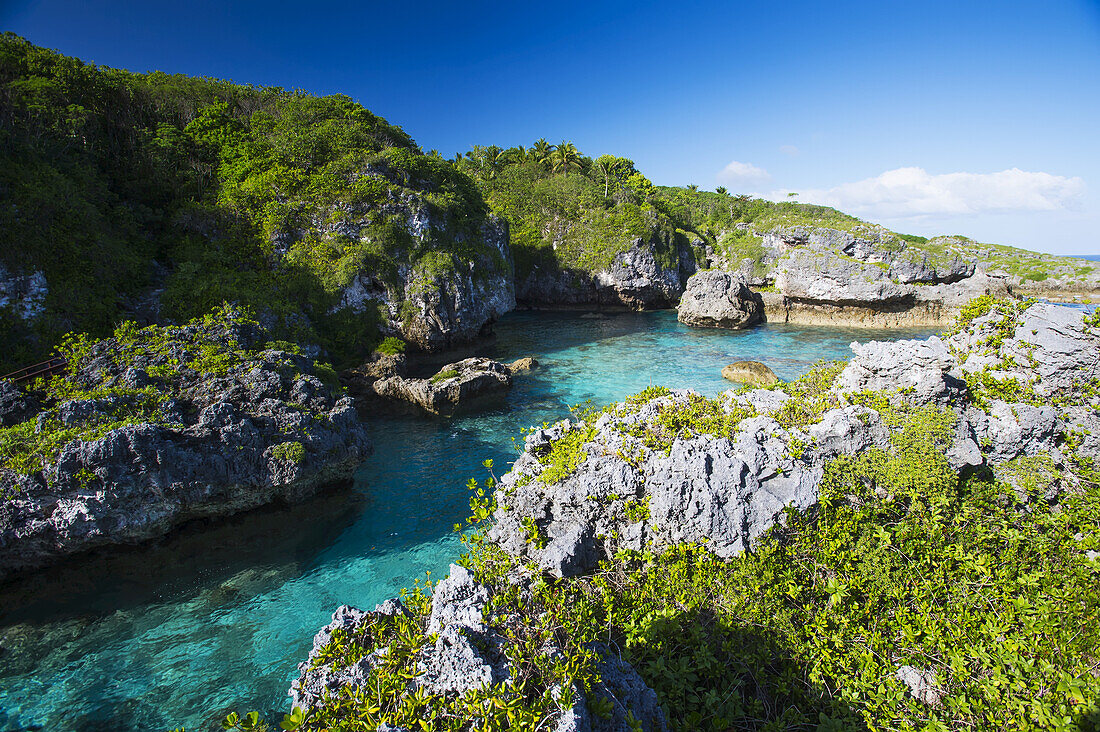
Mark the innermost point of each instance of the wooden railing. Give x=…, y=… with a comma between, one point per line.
x=49, y=367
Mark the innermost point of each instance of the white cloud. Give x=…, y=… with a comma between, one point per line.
x=907, y=193
x=789, y=150
x=737, y=172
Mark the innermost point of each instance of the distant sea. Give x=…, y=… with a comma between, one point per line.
x=1093, y=257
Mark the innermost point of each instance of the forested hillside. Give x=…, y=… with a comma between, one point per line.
x=156, y=197
x=160, y=196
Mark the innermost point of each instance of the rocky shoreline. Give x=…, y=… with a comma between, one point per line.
x=156, y=427
x=1012, y=388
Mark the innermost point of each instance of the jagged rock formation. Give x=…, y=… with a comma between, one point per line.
x=431, y=307
x=728, y=490
x=161, y=426
x=15, y=405
x=870, y=276
x=717, y=299
x=649, y=275
x=469, y=654
x=456, y=386
x=671, y=468
x=24, y=294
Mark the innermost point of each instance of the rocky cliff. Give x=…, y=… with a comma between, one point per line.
x=650, y=554
x=325, y=220
x=728, y=483
x=157, y=426
x=869, y=276
x=648, y=275
x=439, y=283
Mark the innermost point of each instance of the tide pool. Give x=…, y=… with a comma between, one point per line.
x=217, y=617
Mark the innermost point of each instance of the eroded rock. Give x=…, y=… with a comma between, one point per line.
x=253, y=429
x=717, y=299
x=457, y=386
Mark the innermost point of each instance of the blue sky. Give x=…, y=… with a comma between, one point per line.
x=979, y=118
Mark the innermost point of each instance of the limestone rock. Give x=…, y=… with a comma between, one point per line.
x=23, y=293
x=523, y=364
x=470, y=652
x=15, y=406
x=431, y=308
x=637, y=278
x=457, y=386
x=620, y=684
x=925, y=367
x=263, y=430
x=458, y=601
x=306, y=691
x=727, y=491
x=825, y=276
x=752, y=373
x=572, y=552
x=921, y=684
x=717, y=299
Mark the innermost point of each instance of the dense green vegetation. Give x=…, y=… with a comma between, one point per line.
x=116, y=182
x=172, y=359
x=159, y=196
x=568, y=211
x=985, y=586
x=904, y=563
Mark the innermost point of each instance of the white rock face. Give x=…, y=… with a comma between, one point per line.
x=718, y=299
x=921, y=684
x=726, y=492
x=24, y=294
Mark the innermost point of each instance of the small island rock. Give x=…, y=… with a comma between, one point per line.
x=719, y=299
x=455, y=386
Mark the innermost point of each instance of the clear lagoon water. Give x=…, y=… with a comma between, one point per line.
x=217, y=617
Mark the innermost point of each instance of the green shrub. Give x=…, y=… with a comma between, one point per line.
x=443, y=375
x=327, y=375
x=294, y=452
x=391, y=346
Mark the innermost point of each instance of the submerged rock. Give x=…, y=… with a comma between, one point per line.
x=457, y=386
x=523, y=364
x=752, y=373
x=717, y=299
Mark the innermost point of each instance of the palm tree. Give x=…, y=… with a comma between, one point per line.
x=692, y=187
x=541, y=151
x=565, y=157
x=721, y=189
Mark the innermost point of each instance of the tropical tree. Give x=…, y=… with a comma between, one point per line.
x=614, y=171
x=692, y=187
x=721, y=189
x=565, y=157
x=541, y=151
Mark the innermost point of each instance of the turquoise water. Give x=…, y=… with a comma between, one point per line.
x=217, y=617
